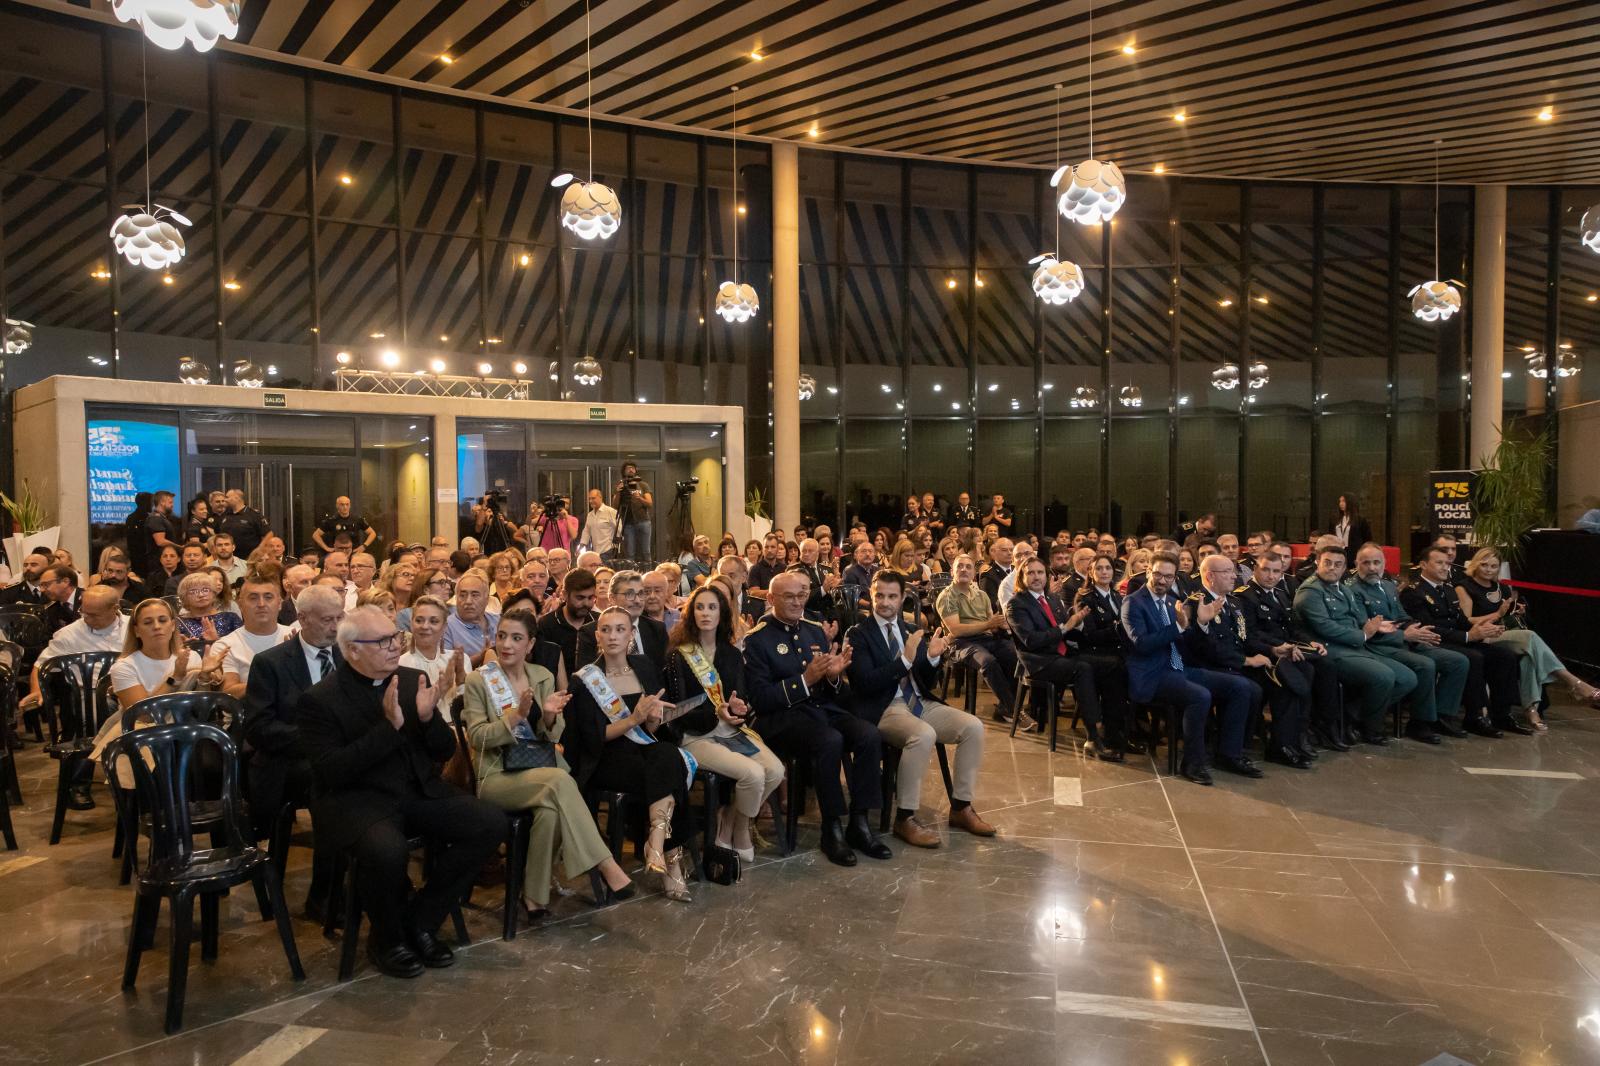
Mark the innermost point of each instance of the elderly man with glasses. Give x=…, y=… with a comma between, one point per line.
x=375, y=740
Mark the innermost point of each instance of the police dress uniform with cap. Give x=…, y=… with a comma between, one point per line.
x=1441, y=672
x=809, y=723
x=1312, y=680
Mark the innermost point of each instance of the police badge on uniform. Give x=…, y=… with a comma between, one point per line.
x=783, y=649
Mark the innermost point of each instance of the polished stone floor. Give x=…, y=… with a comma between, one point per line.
x=1390, y=907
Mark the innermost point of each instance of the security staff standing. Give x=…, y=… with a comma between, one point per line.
x=1441, y=672
x=359, y=530
x=1334, y=615
x=1492, y=667
x=1303, y=670
x=793, y=677
x=1219, y=644
x=963, y=514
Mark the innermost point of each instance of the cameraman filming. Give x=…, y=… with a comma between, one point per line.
x=635, y=504
x=554, y=526
x=489, y=524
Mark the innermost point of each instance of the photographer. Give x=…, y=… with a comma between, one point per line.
x=554, y=527
x=489, y=524
x=635, y=503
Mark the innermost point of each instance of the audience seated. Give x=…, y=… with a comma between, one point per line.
x=471, y=626
x=649, y=636
x=981, y=634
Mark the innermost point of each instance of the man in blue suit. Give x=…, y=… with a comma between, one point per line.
x=892, y=670
x=1155, y=623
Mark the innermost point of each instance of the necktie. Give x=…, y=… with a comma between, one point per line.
x=638, y=642
x=908, y=691
x=1174, y=660
x=324, y=663
x=1044, y=601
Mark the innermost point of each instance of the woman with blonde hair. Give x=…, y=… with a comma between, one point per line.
x=202, y=616
x=1485, y=598
x=1138, y=563
x=503, y=569
x=400, y=581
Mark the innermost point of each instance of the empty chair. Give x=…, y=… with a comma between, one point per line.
x=84, y=705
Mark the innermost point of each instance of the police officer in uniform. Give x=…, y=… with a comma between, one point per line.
x=1303, y=673
x=794, y=678
x=1492, y=667
x=1220, y=645
x=342, y=521
x=962, y=513
x=1441, y=672
x=1334, y=615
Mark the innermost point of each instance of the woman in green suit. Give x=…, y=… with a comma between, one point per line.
x=511, y=702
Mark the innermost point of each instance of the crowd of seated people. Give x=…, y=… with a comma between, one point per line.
x=808, y=655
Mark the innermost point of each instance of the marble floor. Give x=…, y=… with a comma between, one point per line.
x=1394, y=906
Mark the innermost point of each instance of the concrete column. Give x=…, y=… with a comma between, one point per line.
x=446, y=477
x=1488, y=302
x=785, y=335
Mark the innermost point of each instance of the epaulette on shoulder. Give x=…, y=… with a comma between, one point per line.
x=1194, y=597
x=753, y=630
x=1242, y=588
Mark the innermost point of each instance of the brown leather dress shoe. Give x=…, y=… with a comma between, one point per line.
x=968, y=819
x=915, y=833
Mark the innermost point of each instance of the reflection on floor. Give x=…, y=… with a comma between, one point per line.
x=1393, y=906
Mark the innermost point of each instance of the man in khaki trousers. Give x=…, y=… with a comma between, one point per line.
x=892, y=669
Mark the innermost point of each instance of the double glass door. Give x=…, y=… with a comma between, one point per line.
x=574, y=480
x=294, y=493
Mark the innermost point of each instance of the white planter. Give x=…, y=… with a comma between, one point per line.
x=17, y=548
x=759, y=528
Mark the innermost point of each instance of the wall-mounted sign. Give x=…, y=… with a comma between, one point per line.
x=274, y=399
x=597, y=414
x=1450, y=501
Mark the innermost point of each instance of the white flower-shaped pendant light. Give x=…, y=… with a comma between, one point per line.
x=588, y=208
x=1096, y=191
x=1591, y=229
x=171, y=24
x=1435, y=301
x=1056, y=281
x=149, y=236
x=737, y=301
x=808, y=386
x=19, y=336
x=587, y=371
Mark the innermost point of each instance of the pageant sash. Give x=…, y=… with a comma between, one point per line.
x=612, y=706
x=730, y=736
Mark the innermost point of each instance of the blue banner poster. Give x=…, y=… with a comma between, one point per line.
x=126, y=458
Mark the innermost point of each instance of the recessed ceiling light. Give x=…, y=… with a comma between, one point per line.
x=1047, y=386
x=446, y=58
x=101, y=274
x=757, y=55
x=1592, y=297
x=885, y=388
x=1505, y=373
x=524, y=259
x=1565, y=347
x=833, y=390
x=1129, y=49
x=1547, y=115
x=1159, y=168
x=741, y=209
x=949, y=283
x=937, y=387
x=1180, y=115
x=494, y=340
x=166, y=279
x=1225, y=302
x=954, y=406
x=345, y=179
x=232, y=286
x=978, y=281
x=813, y=132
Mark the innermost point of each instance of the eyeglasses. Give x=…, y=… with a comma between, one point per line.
x=388, y=642
x=446, y=582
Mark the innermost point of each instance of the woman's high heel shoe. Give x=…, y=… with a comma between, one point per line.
x=673, y=883
x=1586, y=693
x=1535, y=721
x=654, y=861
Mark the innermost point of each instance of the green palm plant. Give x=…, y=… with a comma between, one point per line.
x=755, y=506
x=27, y=510
x=1509, y=498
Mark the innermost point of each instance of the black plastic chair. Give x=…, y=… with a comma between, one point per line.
x=891, y=773
x=73, y=684
x=161, y=759
x=345, y=867
x=22, y=626
x=964, y=675
x=518, y=826
x=786, y=813
x=1051, y=699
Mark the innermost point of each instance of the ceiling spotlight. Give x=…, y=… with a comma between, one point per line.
x=377, y=336
x=978, y=280
x=144, y=238
x=390, y=358
x=491, y=340
x=100, y=274
x=1592, y=297
x=519, y=368
x=438, y=366
x=1548, y=114
x=1129, y=49
x=444, y=338
x=949, y=283
x=884, y=387
x=757, y=55
x=1159, y=168
x=1055, y=281
x=1259, y=299
x=955, y=405
x=166, y=279
x=1180, y=115
x=938, y=387
x=741, y=209
x=587, y=371
x=1226, y=301
x=232, y=286
x=994, y=386
x=171, y=24
x=833, y=390
x=485, y=369
x=345, y=179
x=813, y=132
x=446, y=58
x=343, y=358
x=808, y=387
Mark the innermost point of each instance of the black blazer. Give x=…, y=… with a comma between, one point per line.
x=364, y=767
x=876, y=670
x=19, y=592
x=584, y=741
x=651, y=633
x=1037, y=640
x=682, y=684
x=278, y=678
x=1360, y=532
x=1102, y=631
x=989, y=581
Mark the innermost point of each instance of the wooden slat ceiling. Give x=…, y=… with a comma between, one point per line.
x=1326, y=89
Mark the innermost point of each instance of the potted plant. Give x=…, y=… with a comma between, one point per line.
x=1509, y=496
x=30, y=526
x=755, y=510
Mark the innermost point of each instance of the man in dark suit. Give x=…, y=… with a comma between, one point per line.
x=862, y=560
x=278, y=677
x=559, y=630
x=999, y=566
x=892, y=675
x=649, y=636
x=1040, y=624
x=63, y=596
x=1303, y=676
x=26, y=588
x=375, y=744
x=1155, y=622
x=1220, y=644
x=793, y=677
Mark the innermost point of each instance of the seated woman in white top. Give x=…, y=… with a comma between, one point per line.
x=154, y=661
x=446, y=670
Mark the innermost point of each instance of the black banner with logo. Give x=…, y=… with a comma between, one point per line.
x=1450, y=501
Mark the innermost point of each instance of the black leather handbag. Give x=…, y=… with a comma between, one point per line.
x=529, y=755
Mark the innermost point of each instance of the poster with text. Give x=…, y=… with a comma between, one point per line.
x=128, y=457
x=1450, y=501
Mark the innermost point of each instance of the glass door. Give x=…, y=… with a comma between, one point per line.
x=293, y=493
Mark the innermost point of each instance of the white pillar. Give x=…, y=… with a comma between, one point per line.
x=446, y=477
x=785, y=335
x=1488, y=297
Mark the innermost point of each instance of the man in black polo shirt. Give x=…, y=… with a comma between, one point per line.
x=160, y=529
x=342, y=521
x=245, y=524
x=769, y=566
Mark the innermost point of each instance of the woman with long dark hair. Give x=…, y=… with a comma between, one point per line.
x=1347, y=524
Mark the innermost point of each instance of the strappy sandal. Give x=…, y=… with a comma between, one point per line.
x=673, y=883
x=654, y=861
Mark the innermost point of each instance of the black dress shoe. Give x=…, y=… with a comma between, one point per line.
x=1241, y=766
x=1423, y=732
x=1480, y=727
x=1331, y=741
x=1195, y=772
x=1133, y=747
x=1447, y=727
x=434, y=955
x=1299, y=760
x=397, y=960
x=1099, y=750
x=833, y=845
x=861, y=837
x=1307, y=746
x=79, y=798
x=1377, y=740
x=1511, y=725
x=1306, y=750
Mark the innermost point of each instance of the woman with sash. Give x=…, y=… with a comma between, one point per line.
x=513, y=717
x=705, y=660
x=615, y=743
